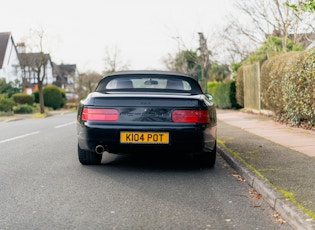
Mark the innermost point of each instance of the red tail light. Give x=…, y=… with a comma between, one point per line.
x=99, y=114
x=195, y=116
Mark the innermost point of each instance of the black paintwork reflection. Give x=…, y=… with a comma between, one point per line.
x=145, y=114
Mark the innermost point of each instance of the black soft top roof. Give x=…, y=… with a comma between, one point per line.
x=195, y=87
x=148, y=72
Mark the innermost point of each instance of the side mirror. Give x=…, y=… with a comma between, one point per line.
x=209, y=96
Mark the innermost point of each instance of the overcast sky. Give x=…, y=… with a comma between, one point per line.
x=145, y=31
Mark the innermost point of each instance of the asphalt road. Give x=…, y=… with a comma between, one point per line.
x=43, y=186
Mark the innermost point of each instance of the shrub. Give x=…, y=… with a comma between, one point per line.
x=23, y=98
x=299, y=90
x=225, y=95
x=23, y=108
x=6, y=104
x=232, y=94
x=53, y=97
x=64, y=98
x=271, y=81
x=212, y=86
x=287, y=86
x=9, y=88
x=36, y=96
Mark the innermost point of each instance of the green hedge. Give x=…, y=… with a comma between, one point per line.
x=224, y=94
x=36, y=96
x=212, y=86
x=23, y=98
x=299, y=88
x=287, y=86
x=271, y=81
x=23, y=108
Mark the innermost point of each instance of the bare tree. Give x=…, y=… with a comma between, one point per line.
x=185, y=61
x=229, y=45
x=169, y=62
x=36, y=62
x=204, y=60
x=87, y=83
x=113, y=61
x=255, y=20
x=189, y=61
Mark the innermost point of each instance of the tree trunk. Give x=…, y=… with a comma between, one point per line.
x=205, y=62
x=41, y=97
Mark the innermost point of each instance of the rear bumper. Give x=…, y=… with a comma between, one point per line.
x=181, y=139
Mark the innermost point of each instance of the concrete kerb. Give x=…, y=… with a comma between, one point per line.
x=17, y=117
x=289, y=211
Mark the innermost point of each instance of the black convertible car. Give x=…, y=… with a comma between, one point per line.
x=147, y=111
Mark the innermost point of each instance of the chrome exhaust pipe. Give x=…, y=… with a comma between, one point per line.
x=99, y=149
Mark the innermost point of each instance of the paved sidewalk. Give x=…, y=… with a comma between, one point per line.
x=276, y=159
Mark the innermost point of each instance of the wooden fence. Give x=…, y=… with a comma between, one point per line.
x=251, y=79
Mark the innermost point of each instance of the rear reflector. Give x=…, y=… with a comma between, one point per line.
x=98, y=114
x=195, y=116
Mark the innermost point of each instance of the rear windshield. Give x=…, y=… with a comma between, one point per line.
x=148, y=83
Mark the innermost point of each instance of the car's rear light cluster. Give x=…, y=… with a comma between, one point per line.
x=99, y=114
x=195, y=116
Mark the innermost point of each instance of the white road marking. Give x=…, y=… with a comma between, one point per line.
x=19, y=137
x=66, y=124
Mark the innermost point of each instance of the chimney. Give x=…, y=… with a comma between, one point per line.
x=21, y=47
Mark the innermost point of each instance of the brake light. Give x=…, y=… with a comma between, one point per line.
x=195, y=116
x=99, y=114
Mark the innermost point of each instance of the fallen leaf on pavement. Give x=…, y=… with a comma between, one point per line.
x=257, y=195
x=279, y=218
x=238, y=176
x=254, y=193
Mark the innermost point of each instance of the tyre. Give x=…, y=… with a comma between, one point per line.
x=89, y=158
x=207, y=159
